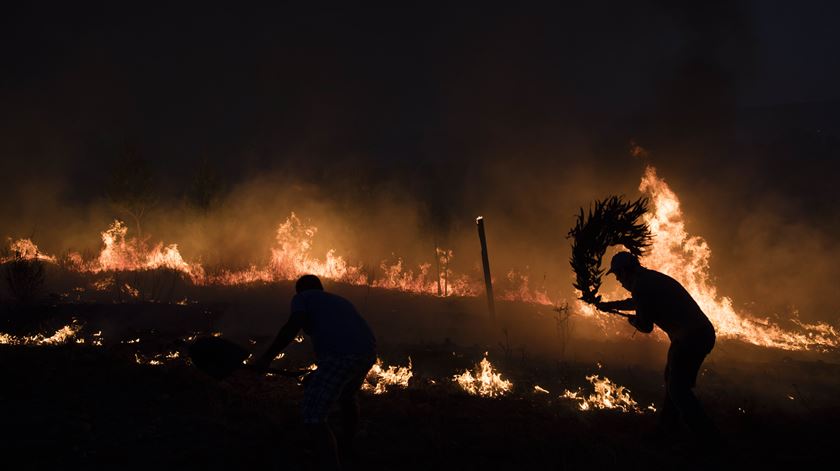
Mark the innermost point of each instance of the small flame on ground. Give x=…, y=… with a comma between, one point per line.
x=61, y=336
x=483, y=381
x=156, y=360
x=379, y=379
x=607, y=395
x=538, y=389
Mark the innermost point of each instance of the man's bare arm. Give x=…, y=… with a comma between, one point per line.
x=641, y=324
x=623, y=305
x=287, y=333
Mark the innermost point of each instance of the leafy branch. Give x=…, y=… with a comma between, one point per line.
x=612, y=221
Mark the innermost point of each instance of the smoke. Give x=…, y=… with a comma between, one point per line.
x=392, y=131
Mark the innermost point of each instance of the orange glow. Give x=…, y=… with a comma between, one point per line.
x=61, y=336
x=122, y=254
x=607, y=395
x=379, y=379
x=686, y=258
x=483, y=381
x=25, y=249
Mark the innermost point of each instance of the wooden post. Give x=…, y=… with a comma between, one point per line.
x=437, y=266
x=485, y=260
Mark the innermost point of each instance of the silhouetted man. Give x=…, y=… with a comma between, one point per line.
x=345, y=350
x=659, y=299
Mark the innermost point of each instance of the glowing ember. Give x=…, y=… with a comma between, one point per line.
x=103, y=284
x=61, y=336
x=538, y=389
x=483, y=381
x=379, y=379
x=127, y=289
x=607, y=395
x=686, y=259
x=156, y=360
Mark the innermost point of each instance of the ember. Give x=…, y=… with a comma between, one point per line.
x=61, y=336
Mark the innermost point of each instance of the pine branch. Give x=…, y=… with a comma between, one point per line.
x=611, y=222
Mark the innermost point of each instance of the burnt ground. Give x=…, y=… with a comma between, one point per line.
x=79, y=406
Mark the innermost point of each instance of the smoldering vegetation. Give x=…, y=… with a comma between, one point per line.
x=96, y=403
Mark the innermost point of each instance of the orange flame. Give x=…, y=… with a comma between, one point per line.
x=61, y=336
x=607, y=395
x=122, y=254
x=483, y=381
x=686, y=258
x=379, y=379
x=25, y=249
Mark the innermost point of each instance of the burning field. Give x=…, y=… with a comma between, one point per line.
x=95, y=346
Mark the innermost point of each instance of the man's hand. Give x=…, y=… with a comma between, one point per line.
x=604, y=306
x=612, y=306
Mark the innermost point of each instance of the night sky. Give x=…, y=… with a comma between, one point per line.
x=736, y=102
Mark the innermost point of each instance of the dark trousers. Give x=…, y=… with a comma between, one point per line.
x=684, y=361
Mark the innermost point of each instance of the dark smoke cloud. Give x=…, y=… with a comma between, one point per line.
x=391, y=129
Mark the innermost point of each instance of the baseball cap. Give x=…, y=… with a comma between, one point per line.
x=623, y=260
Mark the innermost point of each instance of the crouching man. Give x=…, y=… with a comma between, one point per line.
x=345, y=349
x=660, y=300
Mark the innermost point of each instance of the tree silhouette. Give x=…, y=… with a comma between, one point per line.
x=131, y=187
x=205, y=190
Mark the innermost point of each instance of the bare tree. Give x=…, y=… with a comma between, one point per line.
x=131, y=187
x=206, y=189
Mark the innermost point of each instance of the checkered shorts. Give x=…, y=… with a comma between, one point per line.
x=336, y=377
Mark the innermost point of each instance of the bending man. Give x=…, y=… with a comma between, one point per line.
x=345, y=349
x=660, y=300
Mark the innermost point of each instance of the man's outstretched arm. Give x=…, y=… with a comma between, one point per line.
x=287, y=333
x=623, y=305
x=642, y=324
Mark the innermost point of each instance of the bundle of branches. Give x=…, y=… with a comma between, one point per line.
x=612, y=221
